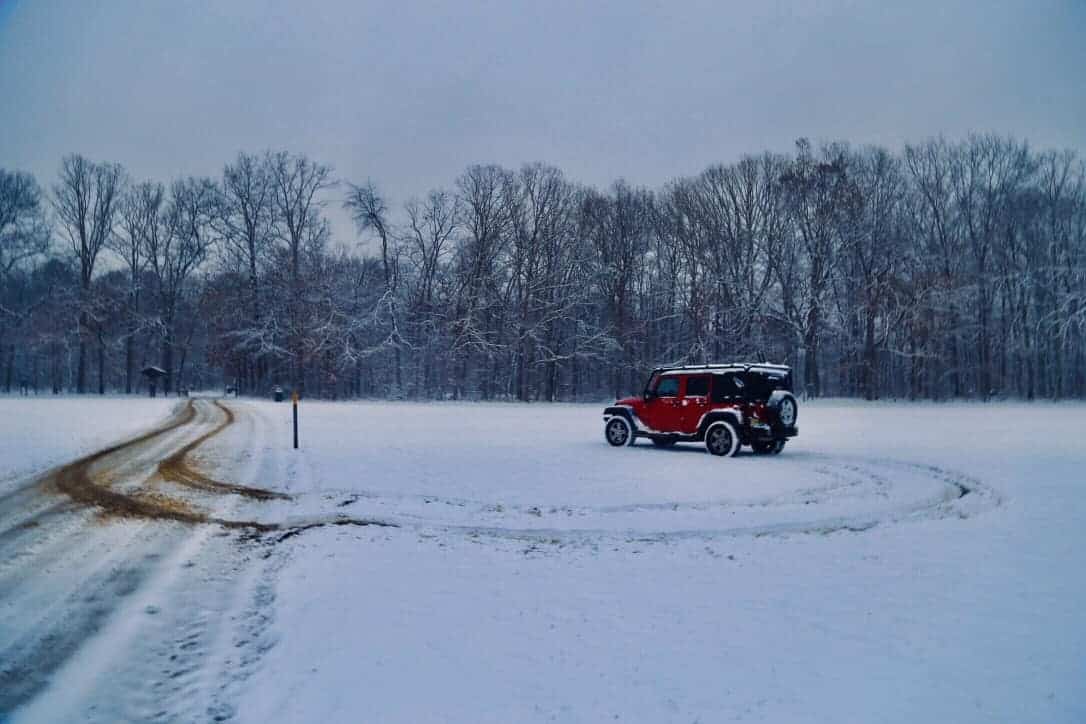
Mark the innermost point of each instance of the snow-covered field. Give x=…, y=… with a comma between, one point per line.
x=897, y=563
x=540, y=575
x=40, y=431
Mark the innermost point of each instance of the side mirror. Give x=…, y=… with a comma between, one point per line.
x=649, y=396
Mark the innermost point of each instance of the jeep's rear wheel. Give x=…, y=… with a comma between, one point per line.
x=618, y=432
x=768, y=447
x=722, y=439
x=763, y=447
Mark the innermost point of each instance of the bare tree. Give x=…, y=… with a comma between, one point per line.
x=23, y=229
x=619, y=226
x=872, y=253
x=483, y=194
x=140, y=210
x=24, y=235
x=953, y=268
x=543, y=206
x=987, y=174
x=942, y=254
x=247, y=223
x=431, y=226
x=819, y=191
x=726, y=222
x=370, y=213
x=174, y=248
x=86, y=200
x=297, y=184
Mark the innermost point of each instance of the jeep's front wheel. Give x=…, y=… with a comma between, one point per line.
x=618, y=432
x=722, y=439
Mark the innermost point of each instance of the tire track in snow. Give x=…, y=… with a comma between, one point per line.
x=882, y=492
x=175, y=469
x=53, y=616
x=83, y=482
x=88, y=562
x=69, y=576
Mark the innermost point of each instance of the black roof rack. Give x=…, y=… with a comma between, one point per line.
x=726, y=366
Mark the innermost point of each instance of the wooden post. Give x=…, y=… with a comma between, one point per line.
x=294, y=404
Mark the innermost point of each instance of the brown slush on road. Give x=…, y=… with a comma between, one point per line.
x=89, y=481
x=82, y=485
x=176, y=470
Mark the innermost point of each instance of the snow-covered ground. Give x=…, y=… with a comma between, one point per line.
x=40, y=431
x=897, y=563
x=115, y=611
x=540, y=575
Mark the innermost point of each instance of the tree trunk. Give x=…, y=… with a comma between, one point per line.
x=181, y=368
x=81, y=369
x=10, y=372
x=984, y=349
x=811, y=381
x=167, y=361
x=129, y=361
x=101, y=367
x=399, y=369
x=871, y=360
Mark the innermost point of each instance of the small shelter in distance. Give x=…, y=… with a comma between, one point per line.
x=153, y=374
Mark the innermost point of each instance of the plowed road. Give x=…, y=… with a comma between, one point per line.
x=131, y=563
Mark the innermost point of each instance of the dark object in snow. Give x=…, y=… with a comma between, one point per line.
x=277, y=393
x=724, y=406
x=153, y=374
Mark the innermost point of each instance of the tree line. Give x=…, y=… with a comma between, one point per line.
x=945, y=270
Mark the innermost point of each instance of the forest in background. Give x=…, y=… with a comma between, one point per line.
x=950, y=269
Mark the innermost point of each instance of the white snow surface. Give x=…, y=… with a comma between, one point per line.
x=897, y=563
x=40, y=431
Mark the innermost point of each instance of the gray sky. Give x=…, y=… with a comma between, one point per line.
x=408, y=94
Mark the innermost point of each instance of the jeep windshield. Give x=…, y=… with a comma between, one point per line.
x=650, y=384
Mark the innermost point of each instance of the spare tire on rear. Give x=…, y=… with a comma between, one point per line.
x=785, y=407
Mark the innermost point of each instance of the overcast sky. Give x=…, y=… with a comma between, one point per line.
x=408, y=94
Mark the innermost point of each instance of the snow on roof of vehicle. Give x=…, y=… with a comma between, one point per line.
x=766, y=367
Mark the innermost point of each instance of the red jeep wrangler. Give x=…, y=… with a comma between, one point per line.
x=725, y=406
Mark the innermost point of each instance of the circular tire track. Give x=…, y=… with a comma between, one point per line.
x=835, y=494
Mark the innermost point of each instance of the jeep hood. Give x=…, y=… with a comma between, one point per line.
x=630, y=401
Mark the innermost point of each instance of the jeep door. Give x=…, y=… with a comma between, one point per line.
x=662, y=411
x=695, y=401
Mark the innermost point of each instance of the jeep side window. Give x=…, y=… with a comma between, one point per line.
x=697, y=386
x=667, y=387
x=727, y=386
x=752, y=384
x=761, y=385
